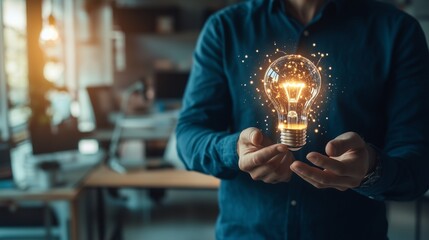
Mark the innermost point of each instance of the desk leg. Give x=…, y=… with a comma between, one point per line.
x=74, y=216
x=418, y=218
x=48, y=222
x=100, y=213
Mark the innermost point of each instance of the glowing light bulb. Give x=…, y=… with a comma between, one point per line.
x=49, y=36
x=53, y=70
x=292, y=83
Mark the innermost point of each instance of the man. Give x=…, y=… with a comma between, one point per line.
x=374, y=139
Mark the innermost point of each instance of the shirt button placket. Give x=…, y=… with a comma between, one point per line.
x=306, y=33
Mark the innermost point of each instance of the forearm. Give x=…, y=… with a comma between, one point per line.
x=208, y=151
x=401, y=177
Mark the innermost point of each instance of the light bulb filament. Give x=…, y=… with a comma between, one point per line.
x=293, y=90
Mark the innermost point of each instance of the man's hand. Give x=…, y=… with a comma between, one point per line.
x=263, y=160
x=349, y=160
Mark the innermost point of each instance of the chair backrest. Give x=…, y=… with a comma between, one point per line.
x=171, y=155
x=103, y=103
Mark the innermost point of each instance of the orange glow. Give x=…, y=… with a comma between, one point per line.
x=292, y=126
x=293, y=90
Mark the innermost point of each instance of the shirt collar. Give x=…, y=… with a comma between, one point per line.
x=276, y=5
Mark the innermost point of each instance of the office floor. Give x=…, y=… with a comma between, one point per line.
x=188, y=215
x=183, y=215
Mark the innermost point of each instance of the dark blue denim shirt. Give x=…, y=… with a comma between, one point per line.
x=375, y=81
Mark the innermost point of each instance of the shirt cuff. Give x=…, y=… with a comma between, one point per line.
x=229, y=151
x=387, y=169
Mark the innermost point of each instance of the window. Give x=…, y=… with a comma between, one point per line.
x=15, y=60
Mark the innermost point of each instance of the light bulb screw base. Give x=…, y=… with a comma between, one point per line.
x=295, y=139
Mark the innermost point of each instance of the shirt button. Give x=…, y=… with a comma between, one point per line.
x=293, y=203
x=306, y=33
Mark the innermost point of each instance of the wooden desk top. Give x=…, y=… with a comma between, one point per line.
x=39, y=195
x=102, y=176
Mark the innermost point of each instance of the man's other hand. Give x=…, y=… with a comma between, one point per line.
x=263, y=160
x=347, y=162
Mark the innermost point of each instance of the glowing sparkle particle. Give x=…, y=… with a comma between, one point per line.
x=273, y=110
x=242, y=61
x=330, y=68
x=245, y=56
x=251, y=82
x=327, y=118
x=266, y=55
x=320, y=68
x=316, y=130
x=314, y=44
x=257, y=50
x=260, y=68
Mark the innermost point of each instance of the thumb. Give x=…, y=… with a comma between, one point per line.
x=344, y=143
x=256, y=137
x=252, y=136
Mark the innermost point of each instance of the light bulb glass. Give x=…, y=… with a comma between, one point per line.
x=53, y=71
x=292, y=83
x=49, y=36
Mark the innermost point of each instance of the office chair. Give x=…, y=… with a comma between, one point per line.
x=103, y=104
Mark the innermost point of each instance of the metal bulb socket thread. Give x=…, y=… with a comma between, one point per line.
x=293, y=138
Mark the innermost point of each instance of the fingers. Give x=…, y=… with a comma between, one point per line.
x=262, y=160
x=261, y=156
x=325, y=162
x=323, y=178
x=343, y=143
x=275, y=170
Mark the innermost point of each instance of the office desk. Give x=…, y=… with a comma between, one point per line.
x=65, y=196
x=102, y=176
x=68, y=222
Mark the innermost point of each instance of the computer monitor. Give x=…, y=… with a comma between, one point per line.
x=170, y=85
x=5, y=162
